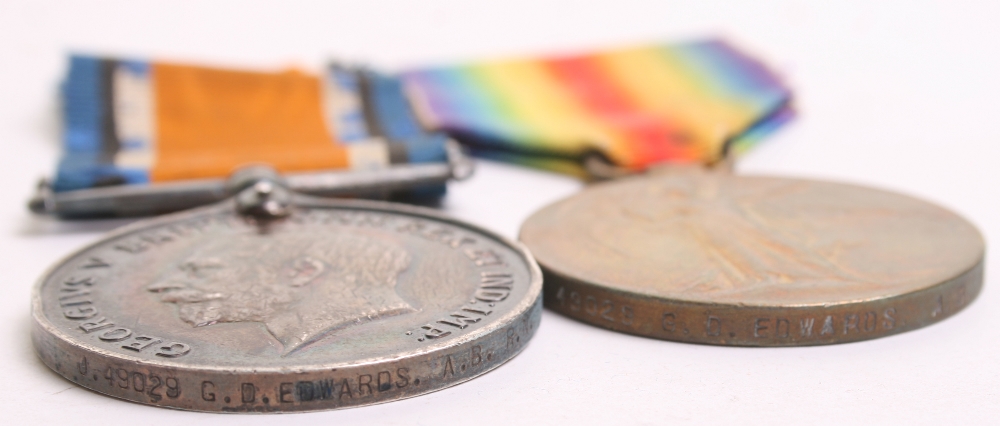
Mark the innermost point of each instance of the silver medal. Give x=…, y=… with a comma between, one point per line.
x=277, y=302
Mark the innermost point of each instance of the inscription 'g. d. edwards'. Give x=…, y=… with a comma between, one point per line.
x=729, y=259
x=782, y=328
x=332, y=389
x=788, y=327
x=208, y=310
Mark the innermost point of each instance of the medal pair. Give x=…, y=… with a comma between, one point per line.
x=273, y=300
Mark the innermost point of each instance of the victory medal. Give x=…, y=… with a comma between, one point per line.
x=710, y=257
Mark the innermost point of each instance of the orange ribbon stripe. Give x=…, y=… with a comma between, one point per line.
x=210, y=122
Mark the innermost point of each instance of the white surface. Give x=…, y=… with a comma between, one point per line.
x=900, y=95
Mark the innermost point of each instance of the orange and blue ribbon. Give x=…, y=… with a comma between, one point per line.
x=135, y=122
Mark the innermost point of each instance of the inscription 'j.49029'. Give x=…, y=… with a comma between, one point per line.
x=339, y=304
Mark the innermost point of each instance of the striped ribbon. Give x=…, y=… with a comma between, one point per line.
x=634, y=106
x=134, y=122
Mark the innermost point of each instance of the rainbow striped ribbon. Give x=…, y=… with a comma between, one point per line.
x=635, y=106
x=139, y=121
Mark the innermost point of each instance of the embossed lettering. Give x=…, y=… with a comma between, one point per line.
x=324, y=389
x=871, y=320
x=480, y=311
x=850, y=322
x=384, y=379
x=458, y=242
x=778, y=323
x=285, y=392
x=590, y=305
x=484, y=257
x=248, y=393
x=889, y=318
x=68, y=292
x=512, y=338
x=82, y=313
x=806, y=326
x=92, y=326
x=67, y=303
x=627, y=315
x=477, y=355
x=115, y=334
x=491, y=295
x=504, y=280
x=345, y=389
x=173, y=350
x=669, y=322
x=142, y=342
x=368, y=219
x=760, y=327
x=441, y=234
x=110, y=375
x=575, y=301
x=404, y=375
x=434, y=333
x=133, y=247
x=207, y=391
x=411, y=227
x=122, y=375
x=449, y=369
x=173, y=388
x=827, y=326
x=365, y=385
x=305, y=391
x=713, y=326
x=459, y=321
x=157, y=383
x=94, y=262
x=606, y=307
x=71, y=296
x=74, y=281
x=185, y=229
x=157, y=237
x=138, y=382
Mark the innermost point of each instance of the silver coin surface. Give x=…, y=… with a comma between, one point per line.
x=343, y=303
x=726, y=259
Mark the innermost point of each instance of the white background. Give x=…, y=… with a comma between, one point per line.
x=900, y=95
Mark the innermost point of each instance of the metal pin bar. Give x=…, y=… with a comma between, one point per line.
x=144, y=200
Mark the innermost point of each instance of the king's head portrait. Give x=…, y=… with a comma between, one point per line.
x=300, y=286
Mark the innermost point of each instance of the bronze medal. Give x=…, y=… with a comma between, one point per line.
x=710, y=257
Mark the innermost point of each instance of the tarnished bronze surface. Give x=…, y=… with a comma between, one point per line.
x=705, y=257
x=330, y=304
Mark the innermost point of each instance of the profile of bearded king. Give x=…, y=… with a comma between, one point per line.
x=300, y=286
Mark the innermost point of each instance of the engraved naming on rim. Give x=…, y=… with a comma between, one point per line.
x=711, y=257
x=343, y=303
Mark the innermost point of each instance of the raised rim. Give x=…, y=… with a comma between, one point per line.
x=45, y=330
